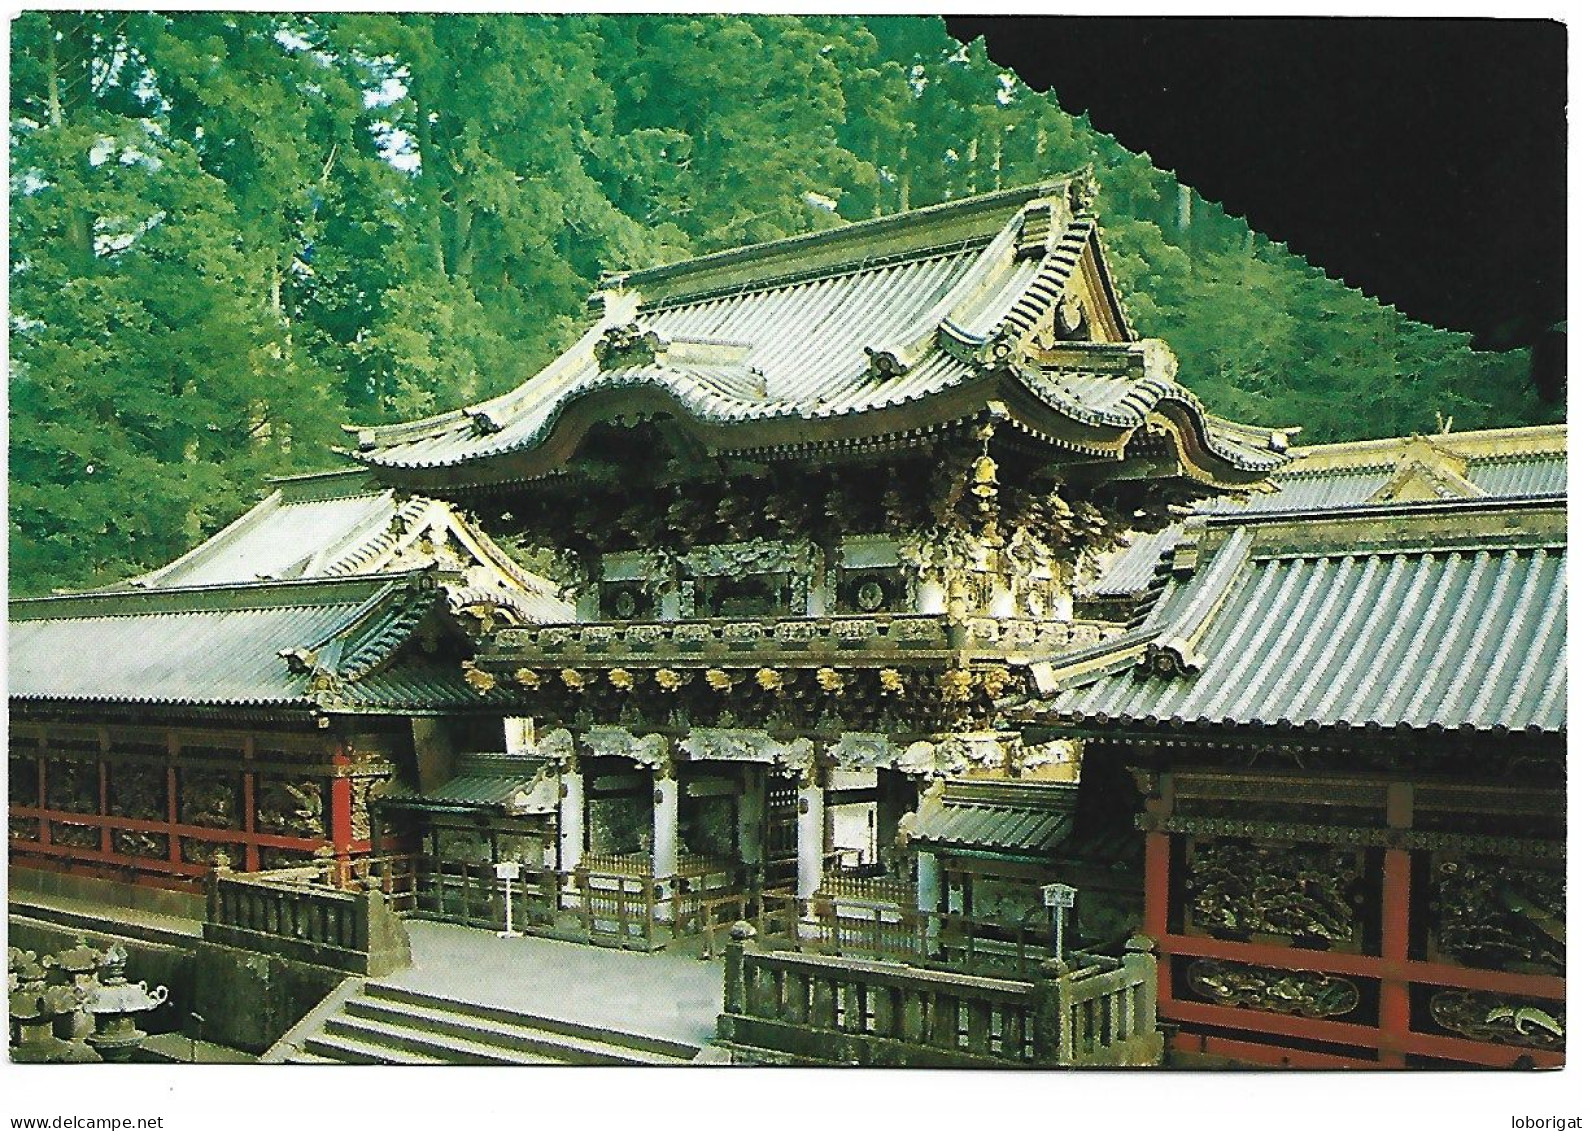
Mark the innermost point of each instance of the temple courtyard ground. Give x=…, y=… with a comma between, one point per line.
x=672, y=994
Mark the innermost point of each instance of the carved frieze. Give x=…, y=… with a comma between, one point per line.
x=1497, y=913
x=650, y=751
x=556, y=746
x=857, y=750
x=1298, y=891
x=74, y=836
x=138, y=791
x=209, y=799
x=22, y=784
x=1303, y=993
x=1492, y=1017
x=151, y=845
x=195, y=851
x=72, y=786
x=359, y=808
x=290, y=807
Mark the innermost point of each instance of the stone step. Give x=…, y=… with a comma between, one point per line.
x=670, y=1051
x=340, y=1049
x=404, y=1041
x=310, y=1058
x=516, y=1038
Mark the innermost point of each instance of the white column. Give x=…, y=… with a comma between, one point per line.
x=571, y=818
x=571, y=826
x=928, y=882
x=809, y=836
x=665, y=822
x=929, y=895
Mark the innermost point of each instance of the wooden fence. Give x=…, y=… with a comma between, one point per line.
x=1088, y=1010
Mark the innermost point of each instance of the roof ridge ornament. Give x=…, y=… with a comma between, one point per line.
x=629, y=343
x=885, y=363
x=1082, y=190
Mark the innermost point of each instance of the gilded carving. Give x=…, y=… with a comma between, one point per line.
x=23, y=782
x=1498, y=913
x=129, y=843
x=138, y=791
x=1301, y=891
x=206, y=852
x=1491, y=1017
x=74, y=836
x=359, y=812
x=210, y=799
x=289, y=807
x=72, y=786
x=1303, y=993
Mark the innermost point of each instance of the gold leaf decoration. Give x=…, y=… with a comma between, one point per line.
x=621, y=678
x=572, y=679
x=719, y=679
x=527, y=677
x=830, y=680
x=669, y=679
x=890, y=680
x=480, y=681
x=770, y=680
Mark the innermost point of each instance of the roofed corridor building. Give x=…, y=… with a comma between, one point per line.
x=902, y=594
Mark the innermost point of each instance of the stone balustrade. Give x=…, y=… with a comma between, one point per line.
x=292, y=914
x=1085, y=1011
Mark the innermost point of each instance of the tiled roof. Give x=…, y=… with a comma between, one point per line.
x=856, y=321
x=485, y=781
x=1446, y=616
x=1353, y=474
x=302, y=644
x=1028, y=819
x=340, y=524
x=1524, y=475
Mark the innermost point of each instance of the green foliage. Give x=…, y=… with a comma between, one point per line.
x=233, y=231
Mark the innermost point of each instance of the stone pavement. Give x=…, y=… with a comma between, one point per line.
x=666, y=994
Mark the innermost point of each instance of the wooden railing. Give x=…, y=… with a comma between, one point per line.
x=931, y=939
x=296, y=914
x=871, y=889
x=614, y=901
x=1088, y=1010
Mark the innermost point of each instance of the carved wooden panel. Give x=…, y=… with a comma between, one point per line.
x=209, y=799
x=72, y=786
x=1497, y=913
x=23, y=783
x=290, y=807
x=146, y=844
x=1302, y=993
x=1306, y=893
x=137, y=790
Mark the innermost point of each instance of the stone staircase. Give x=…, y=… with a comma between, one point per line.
x=385, y=1024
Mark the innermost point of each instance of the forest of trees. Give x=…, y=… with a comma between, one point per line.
x=233, y=232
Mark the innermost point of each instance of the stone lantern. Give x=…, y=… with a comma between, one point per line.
x=36, y=1007
x=116, y=1004
x=74, y=968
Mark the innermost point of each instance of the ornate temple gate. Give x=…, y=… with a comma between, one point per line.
x=1331, y=920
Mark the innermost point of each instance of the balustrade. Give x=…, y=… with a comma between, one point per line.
x=291, y=912
x=1088, y=1010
